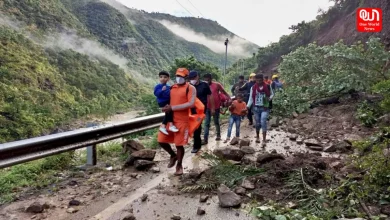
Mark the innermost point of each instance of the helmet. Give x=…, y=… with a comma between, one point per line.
x=252, y=75
x=274, y=76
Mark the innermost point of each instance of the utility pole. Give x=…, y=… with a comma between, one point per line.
x=226, y=44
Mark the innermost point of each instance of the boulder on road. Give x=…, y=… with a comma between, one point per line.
x=132, y=146
x=248, y=150
x=245, y=142
x=342, y=147
x=227, y=198
x=229, y=153
x=267, y=157
x=144, y=154
x=143, y=164
x=35, y=207
x=247, y=184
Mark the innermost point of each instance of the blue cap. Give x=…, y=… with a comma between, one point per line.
x=193, y=74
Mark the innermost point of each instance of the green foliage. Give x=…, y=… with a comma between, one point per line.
x=303, y=33
x=222, y=172
x=383, y=88
x=316, y=72
x=367, y=114
x=41, y=14
x=191, y=63
x=40, y=90
x=36, y=174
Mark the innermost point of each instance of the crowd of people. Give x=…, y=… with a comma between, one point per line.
x=190, y=101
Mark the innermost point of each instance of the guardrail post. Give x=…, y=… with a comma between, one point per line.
x=91, y=150
x=91, y=155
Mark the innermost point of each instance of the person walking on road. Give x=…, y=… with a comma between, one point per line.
x=216, y=89
x=203, y=93
x=237, y=86
x=237, y=109
x=183, y=97
x=246, y=88
x=259, y=97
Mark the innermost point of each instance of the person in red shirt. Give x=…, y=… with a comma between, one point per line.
x=183, y=97
x=216, y=89
x=237, y=110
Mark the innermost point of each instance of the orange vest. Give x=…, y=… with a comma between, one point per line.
x=196, y=119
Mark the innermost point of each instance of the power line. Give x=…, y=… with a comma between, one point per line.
x=185, y=8
x=195, y=8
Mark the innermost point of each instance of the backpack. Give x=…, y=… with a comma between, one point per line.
x=196, y=115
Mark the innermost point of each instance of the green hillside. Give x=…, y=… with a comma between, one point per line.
x=42, y=89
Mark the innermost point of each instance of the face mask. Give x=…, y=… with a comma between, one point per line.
x=193, y=82
x=180, y=80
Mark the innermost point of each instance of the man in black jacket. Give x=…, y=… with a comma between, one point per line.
x=246, y=88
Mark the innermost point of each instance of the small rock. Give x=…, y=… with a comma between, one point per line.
x=227, y=198
x=72, y=183
x=71, y=210
x=200, y=211
x=143, y=164
x=312, y=142
x=248, y=150
x=374, y=210
x=203, y=198
x=293, y=137
x=129, y=217
x=74, y=202
x=286, y=147
x=229, y=153
x=34, y=217
x=267, y=157
x=349, y=138
x=144, y=197
x=385, y=209
x=133, y=175
x=240, y=190
x=245, y=142
x=35, y=207
x=295, y=114
x=175, y=217
x=247, y=184
x=234, y=141
x=155, y=169
x=299, y=141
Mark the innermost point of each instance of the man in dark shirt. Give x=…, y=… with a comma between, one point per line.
x=203, y=93
x=246, y=88
x=237, y=86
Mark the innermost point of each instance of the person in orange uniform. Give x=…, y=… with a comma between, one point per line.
x=267, y=80
x=183, y=97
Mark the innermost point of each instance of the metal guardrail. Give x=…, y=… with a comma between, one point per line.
x=17, y=152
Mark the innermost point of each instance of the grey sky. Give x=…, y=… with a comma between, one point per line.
x=259, y=21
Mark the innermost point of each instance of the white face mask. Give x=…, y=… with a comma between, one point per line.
x=193, y=82
x=180, y=80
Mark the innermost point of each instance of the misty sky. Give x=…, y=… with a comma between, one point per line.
x=259, y=21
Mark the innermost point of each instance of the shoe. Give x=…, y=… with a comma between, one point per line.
x=263, y=144
x=172, y=162
x=218, y=138
x=195, y=150
x=227, y=140
x=163, y=130
x=173, y=128
x=257, y=140
x=204, y=143
x=250, y=123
